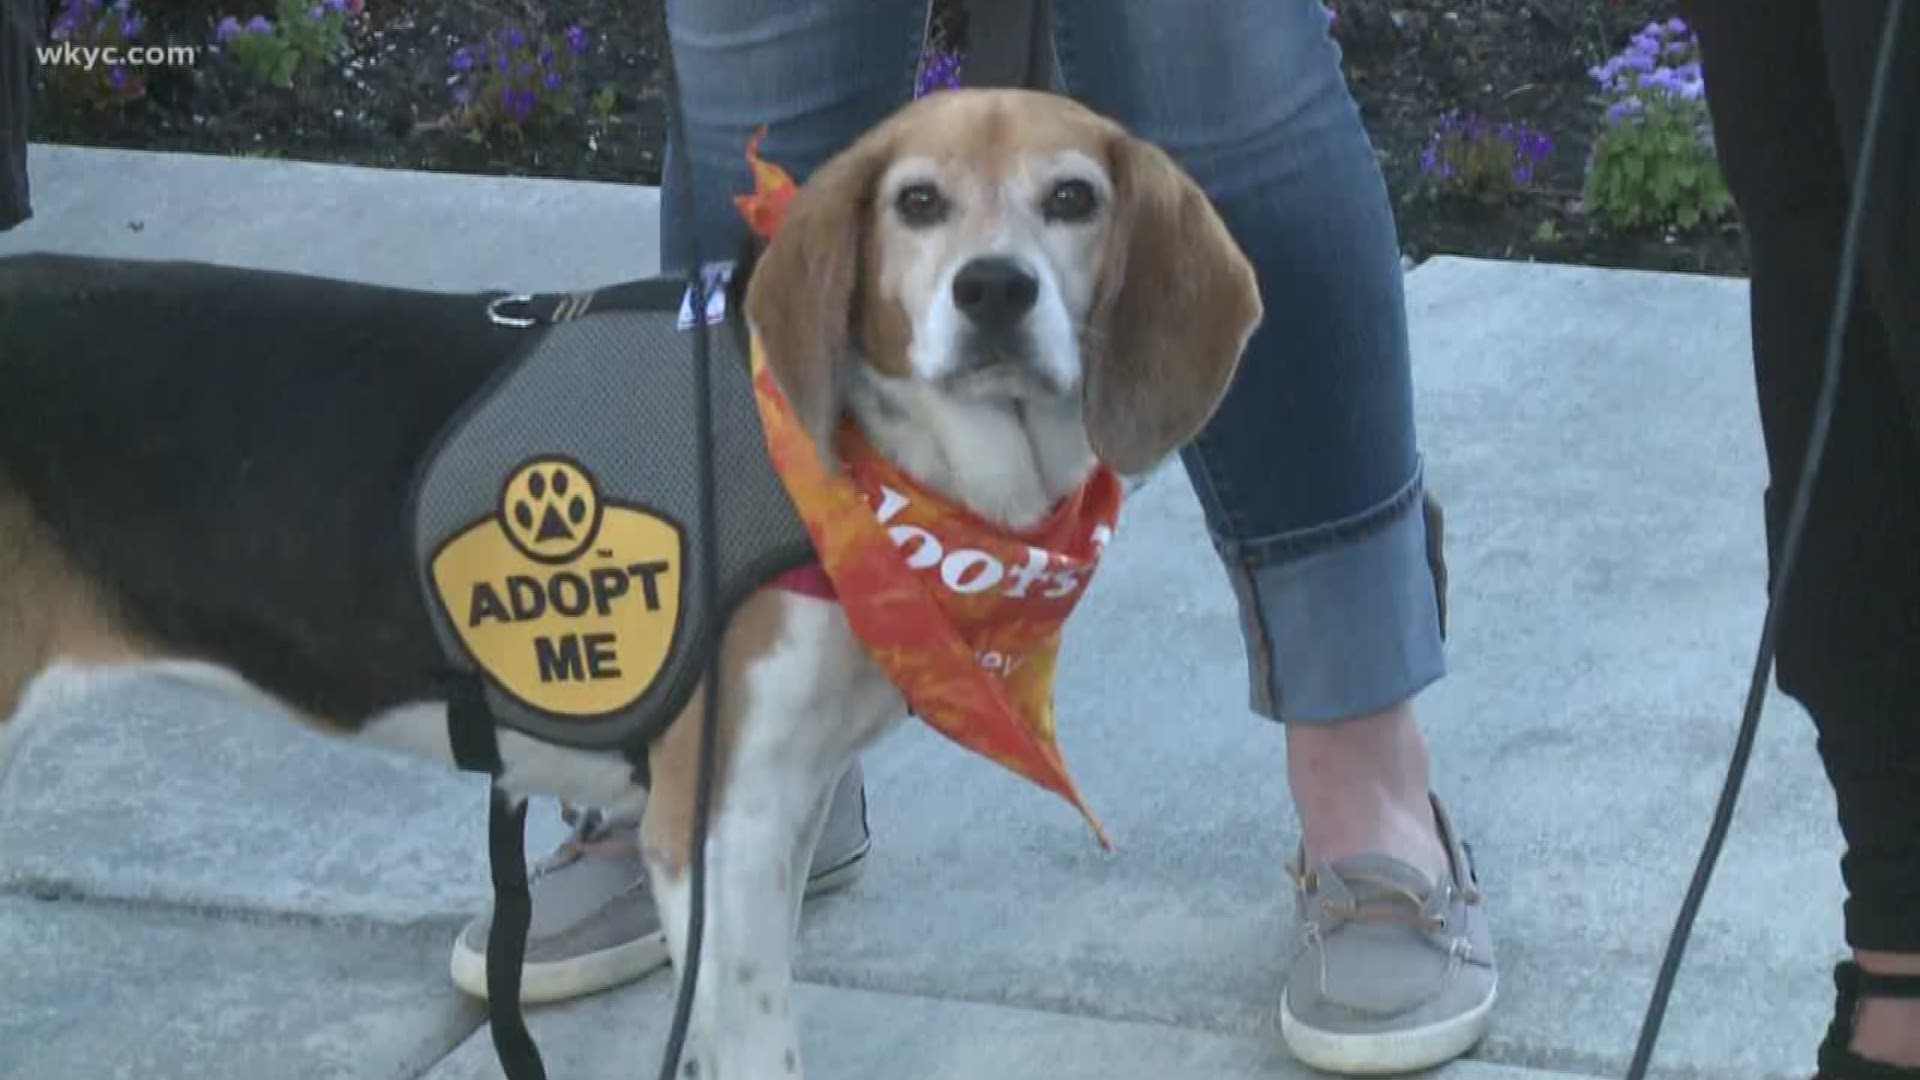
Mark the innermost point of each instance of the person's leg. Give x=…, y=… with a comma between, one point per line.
x=17, y=38
x=1310, y=475
x=817, y=74
x=1879, y=813
x=1892, y=253
x=1786, y=120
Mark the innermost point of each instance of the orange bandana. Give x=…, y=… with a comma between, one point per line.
x=963, y=616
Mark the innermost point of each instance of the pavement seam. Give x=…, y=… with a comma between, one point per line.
x=33, y=888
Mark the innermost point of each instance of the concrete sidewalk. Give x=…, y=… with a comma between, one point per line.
x=189, y=890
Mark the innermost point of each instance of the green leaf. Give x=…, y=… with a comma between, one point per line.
x=1546, y=232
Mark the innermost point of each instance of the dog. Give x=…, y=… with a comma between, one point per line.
x=204, y=472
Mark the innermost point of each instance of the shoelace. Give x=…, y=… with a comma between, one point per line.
x=1399, y=904
x=593, y=833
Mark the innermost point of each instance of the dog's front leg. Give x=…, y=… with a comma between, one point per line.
x=767, y=811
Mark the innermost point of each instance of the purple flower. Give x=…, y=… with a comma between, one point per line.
x=260, y=24
x=228, y=27
x=518, y=103
x=131, y=25
x=117, y=77
x=552, y=81
x=462, y=95
x=939, y=70
x=1523, y=173
x=316, y=12
x=515, y=39
x=72, y=13
x=1624, y=109
x=1676, y=25
x=338, y=7
x=577, y=39
x=462, y=59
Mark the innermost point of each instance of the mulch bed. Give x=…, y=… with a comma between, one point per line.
x=1408, y=61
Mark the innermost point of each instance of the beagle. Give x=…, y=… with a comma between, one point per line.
x=203, y=472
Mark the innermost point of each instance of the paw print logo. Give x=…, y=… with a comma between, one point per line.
x=550, y=510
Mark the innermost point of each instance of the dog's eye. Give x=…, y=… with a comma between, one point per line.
x=1071, y=200
x=920, y=205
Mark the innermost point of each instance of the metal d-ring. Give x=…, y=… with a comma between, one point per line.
x=517, y=321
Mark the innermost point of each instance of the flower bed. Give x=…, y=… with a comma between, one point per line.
x=1561, y=130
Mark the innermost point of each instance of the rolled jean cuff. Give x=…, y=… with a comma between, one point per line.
x=1341, y=620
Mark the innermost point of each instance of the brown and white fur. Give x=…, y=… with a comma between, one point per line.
x=999, y=286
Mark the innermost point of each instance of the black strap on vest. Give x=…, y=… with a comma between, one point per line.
x=476, y=748
x=470, y=730
x=507, y=938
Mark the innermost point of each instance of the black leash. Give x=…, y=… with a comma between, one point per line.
x=1789, y=554
x=709, y=585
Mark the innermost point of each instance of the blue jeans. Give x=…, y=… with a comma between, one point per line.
x=1309, y=475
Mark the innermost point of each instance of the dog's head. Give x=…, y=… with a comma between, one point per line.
x=1007, y=243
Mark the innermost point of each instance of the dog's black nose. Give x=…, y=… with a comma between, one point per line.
x=995, y=293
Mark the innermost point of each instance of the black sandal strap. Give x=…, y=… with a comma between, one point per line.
x=1870, y=984
x=1852, y=983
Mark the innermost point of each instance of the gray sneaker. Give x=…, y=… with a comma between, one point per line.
x=594, y=925
x=1393, y=973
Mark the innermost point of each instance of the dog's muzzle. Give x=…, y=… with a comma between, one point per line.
x=996, y=350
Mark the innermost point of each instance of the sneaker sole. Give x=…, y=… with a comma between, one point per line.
x=543, y=983
x=1384, y=1053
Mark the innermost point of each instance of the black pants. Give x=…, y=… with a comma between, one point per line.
x=1788, y=82
x=18, y=22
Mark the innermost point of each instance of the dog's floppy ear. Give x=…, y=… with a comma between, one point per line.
x=1173, y=308
x=802, y=300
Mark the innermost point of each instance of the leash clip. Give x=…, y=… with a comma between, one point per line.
x=497, y=316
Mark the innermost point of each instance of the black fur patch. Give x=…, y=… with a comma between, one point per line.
x=229, y=453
